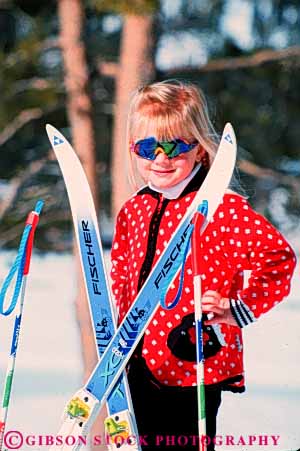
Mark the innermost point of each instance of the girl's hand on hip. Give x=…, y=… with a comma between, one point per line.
x=212, y=302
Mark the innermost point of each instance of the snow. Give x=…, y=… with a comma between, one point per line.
x=49, y=366
x=271, y=403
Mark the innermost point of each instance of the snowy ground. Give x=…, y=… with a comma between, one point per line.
x=49, y=368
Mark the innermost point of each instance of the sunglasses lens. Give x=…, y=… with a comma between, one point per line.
x=170, y=148
x=149, y=148
x=145, y=148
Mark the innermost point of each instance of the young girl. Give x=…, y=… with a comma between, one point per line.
x=172, y=145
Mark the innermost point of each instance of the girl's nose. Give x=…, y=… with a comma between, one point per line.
x=160, y=154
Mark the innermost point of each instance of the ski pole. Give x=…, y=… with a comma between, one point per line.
x=21, y=266
x=198, y=221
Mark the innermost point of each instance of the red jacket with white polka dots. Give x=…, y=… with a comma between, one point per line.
x=237, y=239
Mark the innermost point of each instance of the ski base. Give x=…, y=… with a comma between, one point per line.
x=80, y=414
x=78, y=417
x=119, y=432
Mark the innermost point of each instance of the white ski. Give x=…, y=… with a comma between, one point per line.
x=121, y=423
x=116, y=355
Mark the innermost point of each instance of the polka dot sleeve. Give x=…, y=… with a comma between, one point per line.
x=271, y=261
x=119, y=263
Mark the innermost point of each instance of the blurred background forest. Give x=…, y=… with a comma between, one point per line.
x=74, y=64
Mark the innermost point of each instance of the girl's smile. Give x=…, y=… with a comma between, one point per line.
x=164, y=172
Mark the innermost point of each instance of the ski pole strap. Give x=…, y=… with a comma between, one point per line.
x=22, y=261
x=202, y=212
x=181, y=261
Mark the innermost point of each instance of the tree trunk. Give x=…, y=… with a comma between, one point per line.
x=79, y=108
x=135, y=67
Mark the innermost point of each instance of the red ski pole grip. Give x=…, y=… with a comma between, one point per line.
x=32, y=219
x=198, y=221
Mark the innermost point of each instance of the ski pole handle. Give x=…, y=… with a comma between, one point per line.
x=198, y=221
x=32, y=220
x=22, y=261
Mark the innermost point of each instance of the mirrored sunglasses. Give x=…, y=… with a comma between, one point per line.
x=149, y=148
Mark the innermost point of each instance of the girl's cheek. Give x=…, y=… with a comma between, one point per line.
x=141, y=164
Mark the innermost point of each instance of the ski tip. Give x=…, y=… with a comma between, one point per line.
x=54, y=135
x=50, y=129
x=228, y=134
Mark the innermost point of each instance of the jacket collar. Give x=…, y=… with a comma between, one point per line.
x=189, y=184
x=174, y=191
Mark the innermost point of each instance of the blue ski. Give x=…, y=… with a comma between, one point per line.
x=116, y=355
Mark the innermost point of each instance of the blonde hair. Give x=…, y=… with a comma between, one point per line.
x=173, y=109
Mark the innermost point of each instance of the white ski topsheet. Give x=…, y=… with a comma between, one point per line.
x=92, y=262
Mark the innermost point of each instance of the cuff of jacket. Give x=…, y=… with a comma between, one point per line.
x=241, y=313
